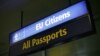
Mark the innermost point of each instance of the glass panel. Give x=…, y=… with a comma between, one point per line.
x=40, y=53
x=61, y=50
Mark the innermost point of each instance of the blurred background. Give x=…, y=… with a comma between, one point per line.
x=33, y=10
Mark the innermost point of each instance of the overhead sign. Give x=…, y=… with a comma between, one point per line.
x=63, y=26
x=53, y=20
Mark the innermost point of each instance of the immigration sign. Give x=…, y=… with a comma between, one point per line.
x=73, y=21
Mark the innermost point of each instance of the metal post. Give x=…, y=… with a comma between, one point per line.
x=21, y=18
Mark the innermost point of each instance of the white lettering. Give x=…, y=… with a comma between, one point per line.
x=47, y=22
x=67, y=14
x=16, y=37
x=39, y=26
x=52, y=20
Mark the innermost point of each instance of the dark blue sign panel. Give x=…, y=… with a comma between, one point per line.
x=53, y=20
x=71, y=23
